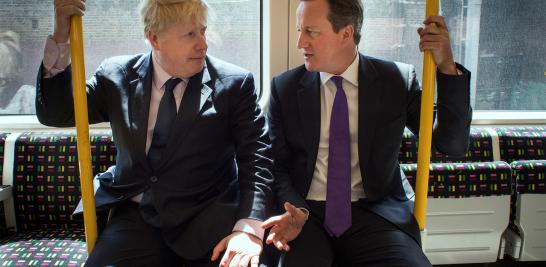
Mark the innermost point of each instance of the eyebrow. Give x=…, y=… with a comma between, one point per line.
x=307, y=27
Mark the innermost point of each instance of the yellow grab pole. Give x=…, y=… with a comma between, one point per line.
x=82, y=128
x=425, y=128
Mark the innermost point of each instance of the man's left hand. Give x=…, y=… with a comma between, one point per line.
x=242, y=250
x=435, y=37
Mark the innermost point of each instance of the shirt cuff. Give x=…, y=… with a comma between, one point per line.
x=250, y=226
x=56, y=57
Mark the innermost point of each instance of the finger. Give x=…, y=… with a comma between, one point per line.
x=429, y=45
x=279, y=245
x=286, y=247
x=290, y=208
x=271, y=221
x=431, y=29
x=77, y=4
x=69, y=11
x=437, y=20
x=245, y=260
x=296, y=212
x=218, y=249
x=421, y=31
x=270, y=238
x=234, y=261
x=226, y=259
x=254, y=261
x=284, y=244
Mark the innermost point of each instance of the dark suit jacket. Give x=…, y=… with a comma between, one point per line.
x=216, y=168
x=389, y=98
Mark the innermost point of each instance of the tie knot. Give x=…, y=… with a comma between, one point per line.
x=338, y=81
x=171, y=83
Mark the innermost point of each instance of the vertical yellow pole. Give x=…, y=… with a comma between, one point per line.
x=82, y=128
x=425, y=128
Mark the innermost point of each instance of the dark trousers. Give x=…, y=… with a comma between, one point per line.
x=370, y=241
x=128, y=240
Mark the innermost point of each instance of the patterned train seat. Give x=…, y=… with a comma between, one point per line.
x=46, y=190
x=480, y=148
x=456, y=180
x=522, y=143
x=468, y=210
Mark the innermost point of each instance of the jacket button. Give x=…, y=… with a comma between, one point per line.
x=153, y=179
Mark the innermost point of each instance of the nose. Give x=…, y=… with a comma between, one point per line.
x=202, y=42
x=302, y=41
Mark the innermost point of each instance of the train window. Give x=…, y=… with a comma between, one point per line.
x=499, y=41
x=110, y=28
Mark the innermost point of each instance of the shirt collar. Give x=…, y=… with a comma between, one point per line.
x=350, y=74
x=160, y=75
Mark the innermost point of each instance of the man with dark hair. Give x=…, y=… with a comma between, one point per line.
x=336, y=124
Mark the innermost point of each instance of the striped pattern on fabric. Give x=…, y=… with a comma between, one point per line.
x=522, y=143
x=44, y=248
x=480, y=148
x=459, y=180
x=529, y=176
x=46, y=183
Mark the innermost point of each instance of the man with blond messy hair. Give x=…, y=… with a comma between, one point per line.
x=193, y=160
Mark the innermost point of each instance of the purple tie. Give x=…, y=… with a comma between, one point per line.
x=338, y=195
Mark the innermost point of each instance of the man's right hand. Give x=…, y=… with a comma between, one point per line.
x=285, y=227
x=64, y=9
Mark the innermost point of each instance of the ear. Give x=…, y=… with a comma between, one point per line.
x=348, y=32
x=152, y=38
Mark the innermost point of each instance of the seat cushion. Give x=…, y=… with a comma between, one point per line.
x=480, y=148
x=46, y=182
x=522, y=143
x=530, y=176
x=44, y=248
x=457, y=180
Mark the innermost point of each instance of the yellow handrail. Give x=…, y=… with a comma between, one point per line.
x=425, y=129
x=82, y=128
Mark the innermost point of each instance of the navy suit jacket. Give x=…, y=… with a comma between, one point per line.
x=217, y=166
x=389, y=98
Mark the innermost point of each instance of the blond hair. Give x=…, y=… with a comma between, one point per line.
x=156, y=15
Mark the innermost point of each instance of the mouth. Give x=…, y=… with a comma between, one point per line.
x=199, y=58
x=307, y=56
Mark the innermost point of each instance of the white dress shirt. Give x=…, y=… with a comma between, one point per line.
x=328, y=91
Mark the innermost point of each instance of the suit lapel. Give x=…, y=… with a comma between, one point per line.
x=368, y=105
x=197, y=97
x=139, y=102
x=309, y=111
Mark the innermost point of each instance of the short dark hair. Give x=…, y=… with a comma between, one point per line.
x=346, y=12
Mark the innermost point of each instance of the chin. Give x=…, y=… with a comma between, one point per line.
x=309, y=66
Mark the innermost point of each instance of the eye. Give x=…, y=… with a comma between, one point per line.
x=312, y=33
